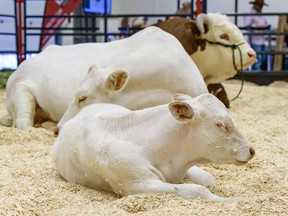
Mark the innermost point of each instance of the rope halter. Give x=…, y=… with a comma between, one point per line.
x=233, y=47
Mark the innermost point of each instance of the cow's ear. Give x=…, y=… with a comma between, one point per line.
x=182, y=97
x=182, y=111
x=117, y=80
x=80, y=98
x=92, y=69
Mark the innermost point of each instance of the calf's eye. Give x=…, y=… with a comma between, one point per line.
x=219, y=124
x=222, y=126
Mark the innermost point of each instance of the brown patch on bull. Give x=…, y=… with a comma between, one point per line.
x=218, y=90
x=189, y=36
x=186, y=32
x=191, y=26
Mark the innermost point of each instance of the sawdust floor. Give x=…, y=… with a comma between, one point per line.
x=30, y=185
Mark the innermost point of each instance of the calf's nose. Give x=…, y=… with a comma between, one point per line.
x=252, y=152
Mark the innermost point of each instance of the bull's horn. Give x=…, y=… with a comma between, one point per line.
x=202, y=19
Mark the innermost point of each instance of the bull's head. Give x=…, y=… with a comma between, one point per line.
x=216, y=61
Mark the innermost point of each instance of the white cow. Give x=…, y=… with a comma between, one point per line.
x=156, y=62
x=111, y=148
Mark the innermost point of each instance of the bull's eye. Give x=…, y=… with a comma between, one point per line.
x=225, y=36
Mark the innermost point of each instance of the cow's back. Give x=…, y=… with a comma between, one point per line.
x=153, y=58
x=159, y=67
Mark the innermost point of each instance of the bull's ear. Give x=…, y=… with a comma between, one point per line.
x=117, y=80
x=203, y=23
x=182, y=111
x=80, y=97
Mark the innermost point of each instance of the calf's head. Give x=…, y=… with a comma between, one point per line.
x=214, y=136
x=215, y=61
x=98, y=87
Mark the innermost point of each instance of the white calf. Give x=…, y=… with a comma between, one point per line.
x=109, y=147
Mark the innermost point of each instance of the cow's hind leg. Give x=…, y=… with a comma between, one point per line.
x=22, y=107
x=189, y=191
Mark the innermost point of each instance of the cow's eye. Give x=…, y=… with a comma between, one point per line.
x=224, y=36
x=81, y=99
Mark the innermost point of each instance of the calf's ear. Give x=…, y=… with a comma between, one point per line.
x=182, y=111
x=117, y=80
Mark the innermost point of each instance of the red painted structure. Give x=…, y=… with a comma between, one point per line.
x=50, y=24
x=198, y=7
x=20, y=38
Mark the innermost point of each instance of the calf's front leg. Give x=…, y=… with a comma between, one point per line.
x=199, y=176
x=188, y=191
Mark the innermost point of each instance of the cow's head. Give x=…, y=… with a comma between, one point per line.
x=98, y=87
x=214, y=136
x=216, y=61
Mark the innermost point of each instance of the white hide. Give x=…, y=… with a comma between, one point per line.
x=108, y=147
x=156, y=62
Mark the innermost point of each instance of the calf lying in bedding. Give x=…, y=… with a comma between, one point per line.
x=109, y=147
